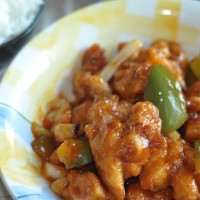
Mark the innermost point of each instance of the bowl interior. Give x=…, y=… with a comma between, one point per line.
x=35, y=75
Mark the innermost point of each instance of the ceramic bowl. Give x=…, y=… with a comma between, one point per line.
x=35, y=75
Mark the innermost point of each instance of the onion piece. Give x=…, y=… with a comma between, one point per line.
x=38, y=130
x=54, y=171
x=132, y=48
x=59, y=185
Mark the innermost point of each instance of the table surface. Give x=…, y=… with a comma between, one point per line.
x=54, y=10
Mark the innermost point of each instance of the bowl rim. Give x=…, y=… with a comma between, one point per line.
x=31, y=26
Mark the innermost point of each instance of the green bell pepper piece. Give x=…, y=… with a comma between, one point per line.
x=74, y=153
x=43, y=146
x=197, y=156
x=165, y=93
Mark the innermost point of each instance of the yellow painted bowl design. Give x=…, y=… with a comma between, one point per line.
x=35, y=75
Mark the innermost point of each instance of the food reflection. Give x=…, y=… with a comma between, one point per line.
x=133, y=131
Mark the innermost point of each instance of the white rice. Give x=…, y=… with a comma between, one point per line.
x=16, y=16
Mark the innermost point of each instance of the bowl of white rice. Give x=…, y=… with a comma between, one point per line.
x=18, y=19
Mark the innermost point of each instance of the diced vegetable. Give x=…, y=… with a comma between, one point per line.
x=174, y=135
x=43, y=146
x=74, y=153
x=51, y=171
x=64, y=131
x=164, y=91
x=197, y=156
x=195, y=67
x=38, y=130
x=58, y=111
x=58, y=185
x=130, y=49
x=54, y=158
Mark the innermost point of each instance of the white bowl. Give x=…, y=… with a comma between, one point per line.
x=34, y=76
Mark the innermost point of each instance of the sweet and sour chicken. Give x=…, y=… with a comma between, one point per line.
x=133, y=134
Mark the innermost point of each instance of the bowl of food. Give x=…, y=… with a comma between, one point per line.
x=17, y=22
x=106, y=106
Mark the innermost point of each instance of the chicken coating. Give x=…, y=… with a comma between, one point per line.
x=193, y=106
x=144, y=119
x=79, y=112
x=192, y=132
x=103, y=146
x=116, y=148
x=172, y=51
x=193, y=97
x=107, y=109
x=162, y=164
x=155, y=175
x=189, y=157
x=84, y=185
x=135, y=192
x=86, y=86
x=133, y=151
x=184, y=185
x=93, y=59
x=167, y=54
x=175, y=155
x=130, y=79
x=123, y=110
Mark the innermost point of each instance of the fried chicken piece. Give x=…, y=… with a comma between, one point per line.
x=184, y=185
x=130, y=79
x=168, y=54
x=123, y=110
x=107, y=109
x=193, y=106
x=119, y=152
x=163, y=163
x=93, y=59
x=135, y=192
x=84, y=185
x=86, y=86
x=175, y=155
x=79, y=112
x=144, y=119
x=189, y=157
x=174, y=52
x=192, y=132
x=103, y=146
x=193, y=97
x=155, y=175
x=133, y=151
